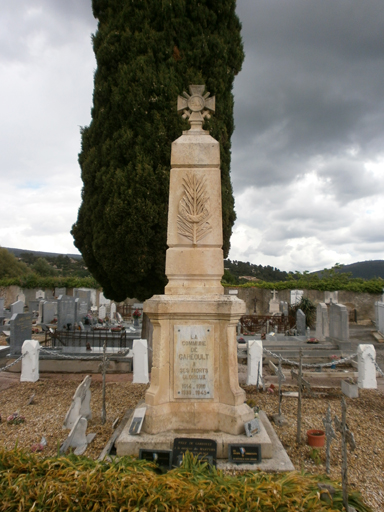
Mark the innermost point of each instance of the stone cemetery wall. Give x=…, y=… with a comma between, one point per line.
x=21, y=297
x=10, y=294
x=364, y=303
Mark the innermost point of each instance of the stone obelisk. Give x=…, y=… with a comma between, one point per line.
x=194, y=380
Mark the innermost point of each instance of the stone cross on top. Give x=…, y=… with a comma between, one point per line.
x=195, y=106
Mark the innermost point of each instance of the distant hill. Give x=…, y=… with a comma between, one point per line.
x=40, y=254
x=362, y=269
x=52, y=264
x=249, y=272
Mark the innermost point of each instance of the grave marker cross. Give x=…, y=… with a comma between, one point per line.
x=195, y=106
x=259, y=377
x=330, y=435
x=279, y=372
x=299, y=382
x=346, y=438
x=103, y=368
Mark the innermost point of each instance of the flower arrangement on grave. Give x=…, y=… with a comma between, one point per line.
x=15, y=419
x=334, y=357
x=136, y=314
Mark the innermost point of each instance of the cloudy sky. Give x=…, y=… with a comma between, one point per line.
x=308, y=149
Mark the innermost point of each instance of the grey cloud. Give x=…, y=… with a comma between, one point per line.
x=371, y=231
x=348, y=180
x=55, y=22
x=312, y=84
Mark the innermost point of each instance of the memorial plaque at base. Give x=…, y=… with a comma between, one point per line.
x=193, y=361
x=163, y=458
x=203, y=447
x=252, y=427
x=244, y=453
x=137, y=421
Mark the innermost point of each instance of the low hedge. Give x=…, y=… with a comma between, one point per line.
x=29, y=482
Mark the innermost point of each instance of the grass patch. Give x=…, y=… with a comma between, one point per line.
x=63, y=483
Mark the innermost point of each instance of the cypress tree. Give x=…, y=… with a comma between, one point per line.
x=148, y=52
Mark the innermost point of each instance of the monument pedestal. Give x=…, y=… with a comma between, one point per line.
x=130, y=445
x=194, y=378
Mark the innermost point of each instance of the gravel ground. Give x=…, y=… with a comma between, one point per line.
x=53, y=395
x=365, y=419
x=44, y=417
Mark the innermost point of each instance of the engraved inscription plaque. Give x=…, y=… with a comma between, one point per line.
x=193, y=361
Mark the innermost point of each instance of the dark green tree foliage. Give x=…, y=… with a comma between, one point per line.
x=10, y=266
x=148, y=52
x=43, y=268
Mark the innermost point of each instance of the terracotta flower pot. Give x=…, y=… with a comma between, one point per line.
x=316, y=438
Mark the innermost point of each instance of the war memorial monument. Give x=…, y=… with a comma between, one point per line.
x=194, y=390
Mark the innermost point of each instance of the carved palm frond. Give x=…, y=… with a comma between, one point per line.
x=194, y=209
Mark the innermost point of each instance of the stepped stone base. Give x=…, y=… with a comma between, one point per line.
x=130, y=445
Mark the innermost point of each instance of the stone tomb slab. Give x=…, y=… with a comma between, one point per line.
x=130, y=445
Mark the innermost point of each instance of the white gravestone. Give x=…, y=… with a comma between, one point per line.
x=102, y=312
x=322, y=322
x=40, y=294
x=17, y=307
x=296, y=296
x=80, y=405
x=40, y=317
x=113, y=311
x=331, y=297
x=338, y=322
x=140, y=362
x=366, y=355
x=21, y=297
x=103, y=300
x=77, y=437
x=300, y=323
x=254, y=362
x=274, y=303
x=30, y=361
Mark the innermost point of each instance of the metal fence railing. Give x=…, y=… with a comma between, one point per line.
x=259, y=323
x=92, y=340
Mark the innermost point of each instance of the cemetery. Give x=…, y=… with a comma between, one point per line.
x=220, y=408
